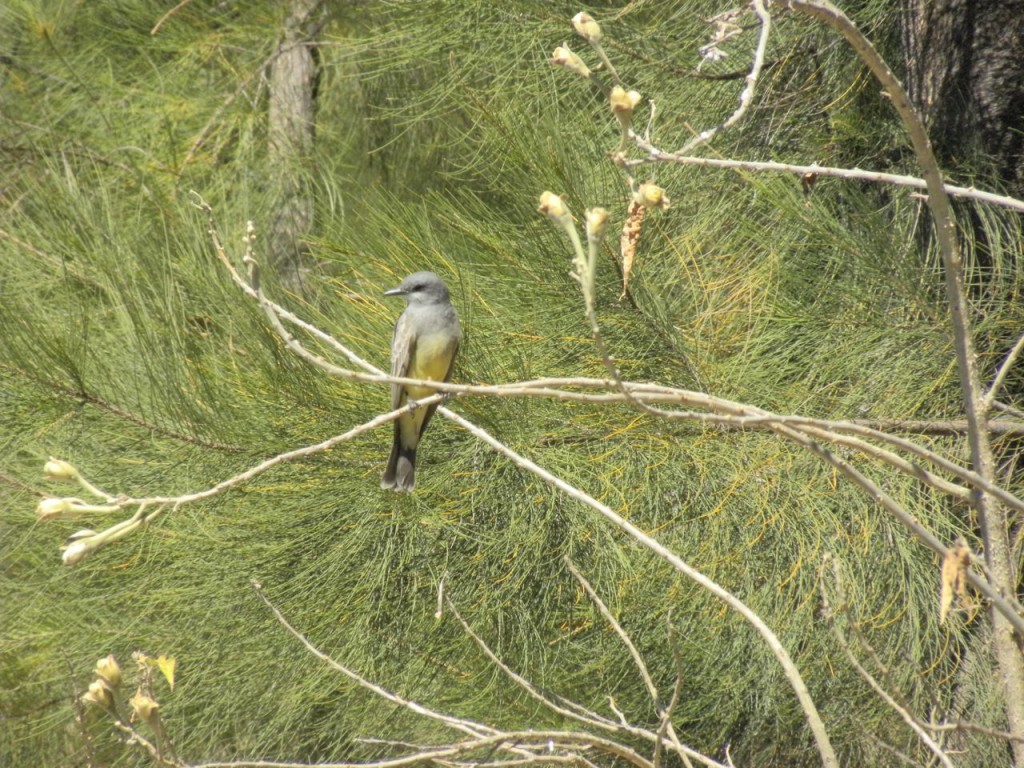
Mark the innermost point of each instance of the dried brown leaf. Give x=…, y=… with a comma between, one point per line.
x=630, y=238
x=954, y=578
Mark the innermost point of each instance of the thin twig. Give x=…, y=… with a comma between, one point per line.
x=227, y=102
x=281, y=458
x=645, y=675
x=594, y=720
x=132, y=736
x=89, y=398
x=883, y=694
x=1000, y=377
x=960, y=725
x=750, y=83
x=471, y=727
x=677, y=688
x=166, y=16
x=1007, y=607
x=893, y=751
x=956, y=427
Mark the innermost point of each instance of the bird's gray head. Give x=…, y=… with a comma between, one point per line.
x=421, y=288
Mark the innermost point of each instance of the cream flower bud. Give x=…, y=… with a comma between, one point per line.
x=587, y=28
x=109, y=670
x=597, y=224
x=76, y=551
x=57, y=469
x=146, y=709
x=563, y=56
x=99, y=694
x=49, y=509
x=623, y=101
x=651, y=196
x=551, y=205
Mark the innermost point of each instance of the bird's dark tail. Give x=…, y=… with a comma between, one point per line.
x=400, y=472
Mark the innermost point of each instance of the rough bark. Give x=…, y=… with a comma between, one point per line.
x=965, y=75
x=291, y=124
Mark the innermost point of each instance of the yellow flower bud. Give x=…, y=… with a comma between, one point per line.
x=48, y=509
x=587, y=28
x=562, y=56
x=145, y=708
x=597, y=224
x=650, y=195
x=109, y=670
x=551, y=205
x=99, y=694
x=56, y=469
x=623, y=101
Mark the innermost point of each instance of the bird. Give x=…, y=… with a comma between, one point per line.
x=423, y=346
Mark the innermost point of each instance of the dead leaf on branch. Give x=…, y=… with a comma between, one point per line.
x=954, y=578
x=628, y=241
x=807, y=181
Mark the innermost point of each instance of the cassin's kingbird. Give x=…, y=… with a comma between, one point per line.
x=423, y=346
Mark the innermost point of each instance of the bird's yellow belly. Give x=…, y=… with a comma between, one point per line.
x=432, y=360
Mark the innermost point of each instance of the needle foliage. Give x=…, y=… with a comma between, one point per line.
x=126, y=350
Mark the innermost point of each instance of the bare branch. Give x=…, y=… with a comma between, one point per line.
x=960, y=725
x=677, y=689
x=166, y=16
x=940, y=426
x=992, y=517
x=575, y=712
x=599, y=603
x=563, y=740
x=1001, y=374
x=747, y=95
x=883, y=694
x=775, y=646
x=654, y=154
x=592, y=719
x=466, y=726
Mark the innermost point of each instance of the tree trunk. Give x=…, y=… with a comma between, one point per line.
x=291, y=123
x=965, y=74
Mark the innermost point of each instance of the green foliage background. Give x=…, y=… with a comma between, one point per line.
x=125, y=349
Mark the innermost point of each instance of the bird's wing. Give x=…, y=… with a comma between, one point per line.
x=403, y=347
